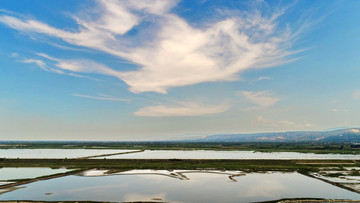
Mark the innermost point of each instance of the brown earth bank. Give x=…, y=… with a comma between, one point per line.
x=27, y=181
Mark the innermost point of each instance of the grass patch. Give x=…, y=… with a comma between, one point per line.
x=166, y=164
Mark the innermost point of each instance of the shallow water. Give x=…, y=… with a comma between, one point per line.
x=207, y=154
x=198, y=187
x=21, y=173
x=55, y=153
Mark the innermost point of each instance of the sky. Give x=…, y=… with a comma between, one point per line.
x=171, y=69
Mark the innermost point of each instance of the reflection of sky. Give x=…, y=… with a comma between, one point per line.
x=55, y=153
x=140, y=197
x=201, y=187
x=207, y=154
x=265, y=188
x=20, y=173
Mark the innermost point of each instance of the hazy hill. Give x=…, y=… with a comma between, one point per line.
x=343, y=135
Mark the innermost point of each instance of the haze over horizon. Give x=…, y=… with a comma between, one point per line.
x=159, y=69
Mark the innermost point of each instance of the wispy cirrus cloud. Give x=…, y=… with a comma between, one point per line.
x=103, y=97
x=79, y=66
x=261, y=98
x=38, y=62
x=41, y=64
x=170, y=52
x=283, y=123
x=262, y=78
x=181, y=109
x=46, y=67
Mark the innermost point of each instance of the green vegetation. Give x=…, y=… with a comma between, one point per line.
x=168, y=164
x=305, y=147
x=334, y=175
x=354, y=173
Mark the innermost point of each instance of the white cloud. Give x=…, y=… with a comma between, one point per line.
x=81, y=66
x=14, y=55
x=44, y=66
x=69, y=47
x=108, y=98
x=356, y=94
x=171, y=52
x=262, y=78
x=85, y=66
x=260, y=118
x=40, y=63
x=182, y=109
x=283, y=123
x=339, y=110
x=262, y=98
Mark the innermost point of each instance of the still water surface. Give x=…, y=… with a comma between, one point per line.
x=163, y=154
x=197, y=187
x=21, y=173
x=207, y=154
x=55, y=153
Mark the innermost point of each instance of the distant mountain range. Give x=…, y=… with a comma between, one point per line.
x=339, y=135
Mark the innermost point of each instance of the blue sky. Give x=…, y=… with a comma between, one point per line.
x=164, y=69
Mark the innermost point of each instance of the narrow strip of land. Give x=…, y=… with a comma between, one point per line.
x=105, y=155
x=26, y=181
x=219, y=164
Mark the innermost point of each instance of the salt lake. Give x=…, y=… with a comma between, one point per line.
x=11, y=173
x=195, y=186
x=208, y=154
x=55, y=153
